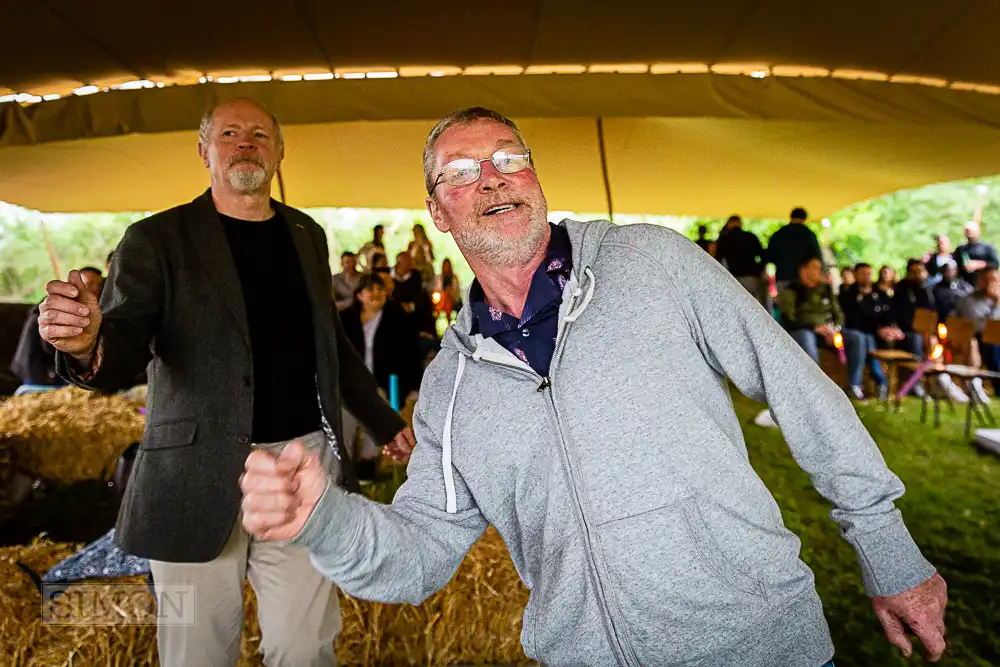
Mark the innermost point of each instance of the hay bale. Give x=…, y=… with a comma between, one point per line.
x=476, y=619
x=70, y=434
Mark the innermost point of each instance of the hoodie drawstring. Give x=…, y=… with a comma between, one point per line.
x=451, y=503
x=576, y=312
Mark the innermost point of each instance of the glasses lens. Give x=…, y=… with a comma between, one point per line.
x=508, y=163
x=460, y=172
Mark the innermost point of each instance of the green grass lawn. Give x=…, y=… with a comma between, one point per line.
x=952, y=508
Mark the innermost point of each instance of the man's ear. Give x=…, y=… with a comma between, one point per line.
x=436, y=215
x=203, y=153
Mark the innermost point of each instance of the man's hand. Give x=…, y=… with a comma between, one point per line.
x=891, y=334
x=279, y=494
x=922, y=609
x=70, y=317
x=975, y=265
x=401, y=446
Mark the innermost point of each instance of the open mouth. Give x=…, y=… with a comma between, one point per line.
x=500, y=209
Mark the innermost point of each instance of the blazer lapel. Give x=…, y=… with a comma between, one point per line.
x=320, y=295
x=212, y=246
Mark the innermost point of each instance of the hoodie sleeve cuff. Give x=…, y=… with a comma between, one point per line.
x=890, y=560
x=321, y=521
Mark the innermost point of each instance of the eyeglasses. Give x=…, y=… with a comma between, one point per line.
x=467, y=170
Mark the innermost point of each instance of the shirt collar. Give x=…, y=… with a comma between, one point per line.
x=547, y=283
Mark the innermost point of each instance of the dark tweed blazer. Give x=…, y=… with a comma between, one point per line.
x=173, y=300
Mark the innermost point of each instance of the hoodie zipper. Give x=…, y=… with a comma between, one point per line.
x=545, y=386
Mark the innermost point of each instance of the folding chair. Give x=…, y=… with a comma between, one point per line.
x=925, y=323
x=991, y=332
x=961, y=339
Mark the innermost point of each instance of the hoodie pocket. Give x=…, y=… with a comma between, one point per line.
x=679, y=596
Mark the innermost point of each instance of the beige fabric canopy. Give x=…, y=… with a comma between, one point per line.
x=856, y=98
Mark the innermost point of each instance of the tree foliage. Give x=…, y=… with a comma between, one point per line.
x=886, y=230
x=891, y=229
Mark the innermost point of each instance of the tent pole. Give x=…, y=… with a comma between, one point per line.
x=52, y=251
x=604, y=167
x=281, y=186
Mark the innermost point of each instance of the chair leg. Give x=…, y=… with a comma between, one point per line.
x=974, y=402
x=890, y=374
x=937, y=412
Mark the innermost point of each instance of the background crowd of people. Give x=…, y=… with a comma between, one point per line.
x=390, y=308
x=814, y=301
x=391, y=315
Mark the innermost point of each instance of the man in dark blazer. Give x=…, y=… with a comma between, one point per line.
x=229, y=297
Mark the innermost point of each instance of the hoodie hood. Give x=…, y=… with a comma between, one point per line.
x=585, y=239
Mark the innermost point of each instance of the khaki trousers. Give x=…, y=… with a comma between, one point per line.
x=297, y=608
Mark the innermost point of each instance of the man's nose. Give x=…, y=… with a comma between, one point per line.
x=491, y=178
x=247, y=142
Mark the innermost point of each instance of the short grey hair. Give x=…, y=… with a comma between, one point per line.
x=205, y=127
x=461, y=117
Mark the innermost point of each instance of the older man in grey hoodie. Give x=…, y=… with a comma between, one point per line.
x=644, y=535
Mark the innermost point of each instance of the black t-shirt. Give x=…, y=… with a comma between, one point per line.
x=866, y=312
x=977, y=250
x=282, y=337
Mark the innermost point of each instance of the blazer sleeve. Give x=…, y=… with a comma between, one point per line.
x=131, y=309
x=357, y=386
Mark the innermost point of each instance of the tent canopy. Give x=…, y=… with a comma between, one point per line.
x=854, y=98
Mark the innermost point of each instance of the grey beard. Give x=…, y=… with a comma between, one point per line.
x=495, y=249
x=247, y=181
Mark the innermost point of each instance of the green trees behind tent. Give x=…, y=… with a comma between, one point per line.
x=886, y=230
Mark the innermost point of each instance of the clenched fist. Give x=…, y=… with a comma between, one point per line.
x=280, y=493
x=70, y=317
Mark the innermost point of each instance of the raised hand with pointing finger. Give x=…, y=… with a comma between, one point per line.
x=70, y=316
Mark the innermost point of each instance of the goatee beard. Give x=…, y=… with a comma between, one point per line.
x=247, y=181
x=495, y=249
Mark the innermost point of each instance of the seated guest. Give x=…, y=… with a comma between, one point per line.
x=387, y=340
x=912, y=293
x=949, y=290
x=846, y=277
x=887, y=280
x=35, y=360
x=345, y=282
x=809, y=310
x=409, y=293
x=981, y=305
x=450, y=291
x=380, y=268
x=868, y=319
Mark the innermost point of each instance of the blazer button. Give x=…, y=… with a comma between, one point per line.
x=244, y=439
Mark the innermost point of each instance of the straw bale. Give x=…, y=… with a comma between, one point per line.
x=68, y=435
x=476, y=619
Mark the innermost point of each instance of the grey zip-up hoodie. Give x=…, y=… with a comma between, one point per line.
x=621, y=484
